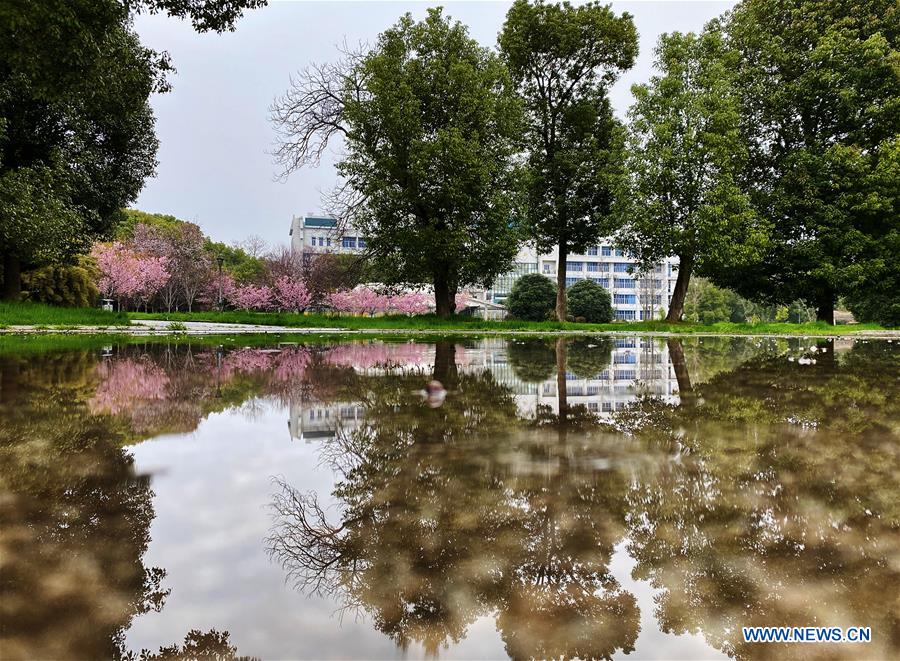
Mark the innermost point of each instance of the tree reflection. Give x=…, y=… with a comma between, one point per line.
x=74, y=517
x=456, y=512
x=789, y=513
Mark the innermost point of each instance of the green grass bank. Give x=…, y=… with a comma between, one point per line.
x=46, y=316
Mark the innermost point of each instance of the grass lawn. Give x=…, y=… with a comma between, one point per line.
x=39, y=314
x=34, y=314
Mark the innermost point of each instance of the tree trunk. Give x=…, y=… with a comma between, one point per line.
x=676, y=355
x=561, y=283
x=676, y=307
x=561, y=392
x=825, y=306
x=445, y=369
x=444, y=296
x=12, y=277
x=9, y=380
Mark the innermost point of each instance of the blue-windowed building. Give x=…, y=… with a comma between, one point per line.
x=636, y=294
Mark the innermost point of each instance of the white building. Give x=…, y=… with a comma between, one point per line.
x=635, y=296
x=322, y=234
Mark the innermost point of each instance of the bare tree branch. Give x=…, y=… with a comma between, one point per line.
x=311, y=112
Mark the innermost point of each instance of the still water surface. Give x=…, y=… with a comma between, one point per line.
x=584, y=498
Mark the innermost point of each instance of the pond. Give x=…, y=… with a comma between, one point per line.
x=591, y=497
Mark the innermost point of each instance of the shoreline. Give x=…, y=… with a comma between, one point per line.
x=160, y=328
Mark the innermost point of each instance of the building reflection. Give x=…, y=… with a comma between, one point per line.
x=601, y=375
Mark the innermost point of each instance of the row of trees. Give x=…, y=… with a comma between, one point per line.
x=160, y=262
x=77, y=134
x=763, y=154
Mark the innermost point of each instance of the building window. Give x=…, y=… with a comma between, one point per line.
x=593, y=267
x=321, y=241
x=606, y=251
x=348, y=242
x=592, y=250
x=312, y=240
x=623, y=375
x=360, y=242
x=328, y=241
x=603, y=282
x=622, y=267
x=576, y=267
x=625, y=299
x=627, y=358
x=571, y=281
x=625, y=315
x=623, y=283
x=620, y=252
x=549, y=266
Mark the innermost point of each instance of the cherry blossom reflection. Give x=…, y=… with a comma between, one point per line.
x=126, y=382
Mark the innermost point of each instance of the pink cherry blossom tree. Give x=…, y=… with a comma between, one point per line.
x=291, y=294
x=126, y=275
x=251, y=297
x=413, y=303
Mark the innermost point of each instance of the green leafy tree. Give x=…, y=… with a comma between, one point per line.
x=563, y=60
x=430, y=123
x=685, y=152
x=76, y=128
x=820, y=95
x=532, y=297
x=590, y=301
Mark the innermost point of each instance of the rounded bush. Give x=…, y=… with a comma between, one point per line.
x=589, y=300
x=532, y=298
x=63, y=285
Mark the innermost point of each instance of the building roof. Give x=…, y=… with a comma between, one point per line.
x=314, y=221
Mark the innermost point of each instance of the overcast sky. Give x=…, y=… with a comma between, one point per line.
x=214, y=163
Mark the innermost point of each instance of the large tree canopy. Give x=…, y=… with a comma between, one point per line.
x=76, y=128
x=820, y=92
x=685, y=153
x=430, y=124
x=563, y=60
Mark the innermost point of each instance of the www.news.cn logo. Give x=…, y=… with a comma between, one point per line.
x=807, y=634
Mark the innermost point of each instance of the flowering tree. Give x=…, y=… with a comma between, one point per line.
x=414, y=303
x=361, y=300
x=364, y=300
x=251, y=297
x=291, y=294
x=125, y=275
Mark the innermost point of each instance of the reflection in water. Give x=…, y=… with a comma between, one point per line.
x=750, y=488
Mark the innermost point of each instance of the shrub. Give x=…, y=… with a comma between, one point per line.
x=532, y=298
x=63, y=285
x=589, y=300
x=880, y=309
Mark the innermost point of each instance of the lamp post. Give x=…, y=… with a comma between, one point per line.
x=220, y=260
